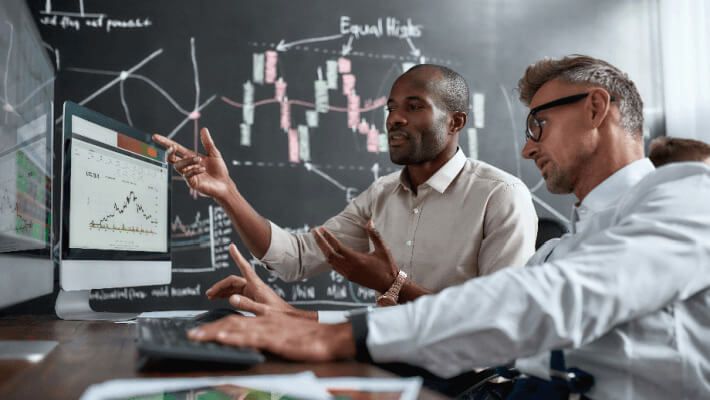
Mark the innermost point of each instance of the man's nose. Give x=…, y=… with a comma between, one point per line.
x=530, y=149
x=395, y=119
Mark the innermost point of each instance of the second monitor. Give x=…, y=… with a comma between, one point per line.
x=115, y=211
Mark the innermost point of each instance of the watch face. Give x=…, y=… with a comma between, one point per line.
x=386, y=301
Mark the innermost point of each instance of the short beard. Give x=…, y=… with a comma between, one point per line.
x=430, y=146
x=558, y=182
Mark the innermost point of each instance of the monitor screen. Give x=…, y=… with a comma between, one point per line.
x=118, y=198
x=26, y=158
x=116, y=195
x=25, y=188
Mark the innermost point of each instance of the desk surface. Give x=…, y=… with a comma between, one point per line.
x=93, y=352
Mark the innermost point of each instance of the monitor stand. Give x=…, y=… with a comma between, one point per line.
x=74, y=306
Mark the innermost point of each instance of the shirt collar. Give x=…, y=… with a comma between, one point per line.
x=442, y=178
x=616, y=185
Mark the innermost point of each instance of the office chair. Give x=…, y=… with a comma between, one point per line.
x=549, y=228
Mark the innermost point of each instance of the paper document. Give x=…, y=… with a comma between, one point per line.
x=301, y=386
x=274, y=387
x=171, y=314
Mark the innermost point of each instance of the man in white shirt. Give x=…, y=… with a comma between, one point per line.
x=625, y=296
x=484, y=216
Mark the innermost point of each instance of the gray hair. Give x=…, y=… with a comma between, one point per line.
x=580, y=69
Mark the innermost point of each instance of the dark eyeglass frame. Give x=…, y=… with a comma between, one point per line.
x=554, y=103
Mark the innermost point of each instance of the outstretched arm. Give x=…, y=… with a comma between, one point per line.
x=208, y=175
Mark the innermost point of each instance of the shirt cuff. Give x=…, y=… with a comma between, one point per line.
x=279, y=249
x=272, y=254
x=392, y=334
x=332, y=317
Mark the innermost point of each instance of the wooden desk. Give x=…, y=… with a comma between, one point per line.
x=93, y=352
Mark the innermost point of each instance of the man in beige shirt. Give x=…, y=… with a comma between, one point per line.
x=446, y=218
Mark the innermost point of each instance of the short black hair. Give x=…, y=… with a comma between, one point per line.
x=451, y=89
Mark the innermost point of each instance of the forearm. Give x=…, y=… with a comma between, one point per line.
x=563, y=304
x=342, y=341
x=411, y=291
x=305, y=314
x=253, y=229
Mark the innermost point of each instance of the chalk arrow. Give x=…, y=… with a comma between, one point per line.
x=412, y=49
x=347, y=48
x=283, y=46
x=312, y=168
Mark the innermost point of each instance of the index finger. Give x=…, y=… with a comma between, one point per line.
x=243, y=265
x=375, y=236
x=323, y=245
x=168, y=143
x=226, y=287
x=335, y=243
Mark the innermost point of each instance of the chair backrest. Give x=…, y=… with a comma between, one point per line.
x=548, y=228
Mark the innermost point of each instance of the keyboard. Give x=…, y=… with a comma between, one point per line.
x=214, y=315
x=163, y=342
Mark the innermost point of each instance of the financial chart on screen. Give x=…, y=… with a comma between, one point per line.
x=119, y=200
x=24, y=190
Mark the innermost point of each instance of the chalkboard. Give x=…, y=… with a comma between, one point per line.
x=294, y=92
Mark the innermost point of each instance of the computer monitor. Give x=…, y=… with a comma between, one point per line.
x=26, y=95
x=26, y=195
x=115, y=211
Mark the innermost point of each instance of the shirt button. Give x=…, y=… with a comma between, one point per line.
x=416, y=211
x=409, y=242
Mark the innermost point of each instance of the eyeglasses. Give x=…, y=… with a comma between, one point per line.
x=533, y=130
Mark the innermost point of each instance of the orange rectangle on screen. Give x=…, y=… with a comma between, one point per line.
x=136, y=146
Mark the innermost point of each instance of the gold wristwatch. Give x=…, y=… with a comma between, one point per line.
x=391, y=296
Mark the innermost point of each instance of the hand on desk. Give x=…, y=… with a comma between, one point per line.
x=376, y=270
x=249, y=293
x=292, y=338
x=207, y=174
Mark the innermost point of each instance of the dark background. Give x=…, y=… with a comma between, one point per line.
x=489, y=42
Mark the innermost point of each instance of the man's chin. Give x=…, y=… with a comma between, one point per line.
x=398, y=158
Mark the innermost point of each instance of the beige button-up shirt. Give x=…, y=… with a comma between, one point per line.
x=469, y=219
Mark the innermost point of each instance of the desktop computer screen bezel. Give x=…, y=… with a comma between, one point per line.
x=68, y=253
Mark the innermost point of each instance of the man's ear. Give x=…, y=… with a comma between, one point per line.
x=458, y=121
x=599, y=103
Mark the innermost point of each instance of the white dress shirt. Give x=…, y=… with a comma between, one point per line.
x=626, y=296
x=467, y=220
